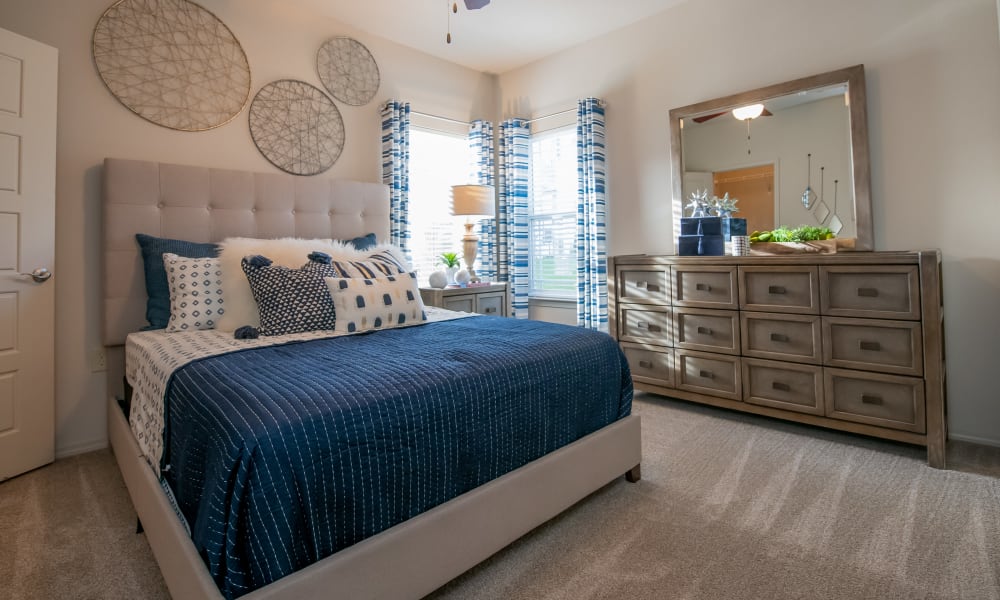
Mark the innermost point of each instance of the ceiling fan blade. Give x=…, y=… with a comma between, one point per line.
x=704, y=118
x=767, y=113
x=475, y=4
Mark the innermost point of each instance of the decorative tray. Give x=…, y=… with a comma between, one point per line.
x=814, y=247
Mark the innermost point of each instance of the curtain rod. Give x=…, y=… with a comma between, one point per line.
x=556, y=114
x=430, y=116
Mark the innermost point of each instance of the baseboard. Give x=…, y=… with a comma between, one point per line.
x=81, y=448
x=974, y=440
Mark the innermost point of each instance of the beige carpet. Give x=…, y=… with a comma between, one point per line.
x=730, y=506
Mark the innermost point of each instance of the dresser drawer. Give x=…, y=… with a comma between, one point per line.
x=875, y=399
x=714, y=374
x=647, y=324
x=885, y=292
x=461, y=303
x=490, y=304
x=707, y=329
x=650, y=364
x=706, y=287
x=781, y=337
x=783, y=385
x=780, y=289
x=644, y=285
x=873, y=345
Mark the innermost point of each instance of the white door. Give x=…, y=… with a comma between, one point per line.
x=28, y=73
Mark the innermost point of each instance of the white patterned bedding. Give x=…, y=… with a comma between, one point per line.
x=151, y=357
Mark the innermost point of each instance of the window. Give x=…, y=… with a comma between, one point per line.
x=552, y=206
x=438, y=161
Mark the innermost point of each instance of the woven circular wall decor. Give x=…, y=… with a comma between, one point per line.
x=296, y=127
x=172, y=63
x=347, y=70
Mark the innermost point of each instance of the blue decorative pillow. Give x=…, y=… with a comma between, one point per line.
x=366, y=304
x=290, y=300
x=157, y=288
x=364, y=242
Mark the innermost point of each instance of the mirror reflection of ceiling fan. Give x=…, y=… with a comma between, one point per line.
x=703, y=118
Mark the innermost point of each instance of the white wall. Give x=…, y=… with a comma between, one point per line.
x=280, y=42
x=933, y=79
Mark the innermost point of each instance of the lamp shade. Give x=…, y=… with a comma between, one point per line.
x=472, y=200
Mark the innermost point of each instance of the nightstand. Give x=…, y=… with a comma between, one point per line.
x=488, y=299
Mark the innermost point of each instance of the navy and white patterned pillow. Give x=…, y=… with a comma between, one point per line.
x=195, y=285
x=378, y=264
x=365, y=304
x=290, y=300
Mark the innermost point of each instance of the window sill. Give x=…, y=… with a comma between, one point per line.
x=559, y=301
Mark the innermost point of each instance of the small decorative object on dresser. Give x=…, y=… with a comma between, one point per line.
x=850, y=341
x=486, y=299
x=438, y=279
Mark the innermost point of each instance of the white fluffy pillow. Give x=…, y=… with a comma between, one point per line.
x=196, y=300
x=366, y=304
x=241, y=309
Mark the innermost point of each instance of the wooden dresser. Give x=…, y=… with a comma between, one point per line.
x=851, y=341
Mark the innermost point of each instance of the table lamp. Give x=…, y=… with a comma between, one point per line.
x=472, y=201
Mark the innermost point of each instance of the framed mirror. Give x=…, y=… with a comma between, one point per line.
x=798, y=155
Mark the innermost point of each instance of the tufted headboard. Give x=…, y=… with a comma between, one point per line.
x=208, y=205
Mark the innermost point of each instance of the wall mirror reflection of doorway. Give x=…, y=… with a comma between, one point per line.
x=753, y=187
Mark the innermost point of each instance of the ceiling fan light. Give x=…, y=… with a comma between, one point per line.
x=751, y=111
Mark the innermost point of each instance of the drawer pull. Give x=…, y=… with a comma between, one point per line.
x=779, y=337
x=642, y=325
x=706, y=374
x=490, y=309
x=645, y=364
x=868, y=292
x=704, y=330
x=641, y=285
x=873, y=346
x=775, y=289
x=703, y=287
x=653, y=288
x=781, y=387
x=871, y=399
x=648, y=326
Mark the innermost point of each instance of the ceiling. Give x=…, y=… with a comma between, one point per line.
x=499, y=37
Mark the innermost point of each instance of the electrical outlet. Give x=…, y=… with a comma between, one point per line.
x=98, y=360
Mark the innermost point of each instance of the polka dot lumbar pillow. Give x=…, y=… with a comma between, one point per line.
x=366, y=304
x=195, y=284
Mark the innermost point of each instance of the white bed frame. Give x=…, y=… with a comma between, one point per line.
x=409, y=560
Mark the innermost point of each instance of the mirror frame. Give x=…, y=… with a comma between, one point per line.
x=854, y=77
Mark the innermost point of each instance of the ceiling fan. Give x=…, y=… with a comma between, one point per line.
x=469, y=5
x=703, y=118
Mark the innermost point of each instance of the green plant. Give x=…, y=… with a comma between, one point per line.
x=802, y=233
x=449, y=259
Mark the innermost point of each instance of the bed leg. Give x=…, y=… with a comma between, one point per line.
x=634, y=474
x=138, y=526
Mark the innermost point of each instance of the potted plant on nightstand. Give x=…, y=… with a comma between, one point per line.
x=451, y=264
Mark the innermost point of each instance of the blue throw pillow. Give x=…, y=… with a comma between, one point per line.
x=364, y=242
x=157, y=289
x=291, y=300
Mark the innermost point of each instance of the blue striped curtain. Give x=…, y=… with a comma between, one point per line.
x=591, y=211
x=396, y=170
x=481, y=144
x=512, y=212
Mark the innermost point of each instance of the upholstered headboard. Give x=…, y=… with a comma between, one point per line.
x=208, y=205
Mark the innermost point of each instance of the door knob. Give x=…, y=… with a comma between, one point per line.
x=40, y=275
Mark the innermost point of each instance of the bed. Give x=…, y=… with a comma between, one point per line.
x=408, y=559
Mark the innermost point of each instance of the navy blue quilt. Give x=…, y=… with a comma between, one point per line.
x=281, y=456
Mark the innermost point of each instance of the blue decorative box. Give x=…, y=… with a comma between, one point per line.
x=732, y=226
x=701, y=225
x=701, y=245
